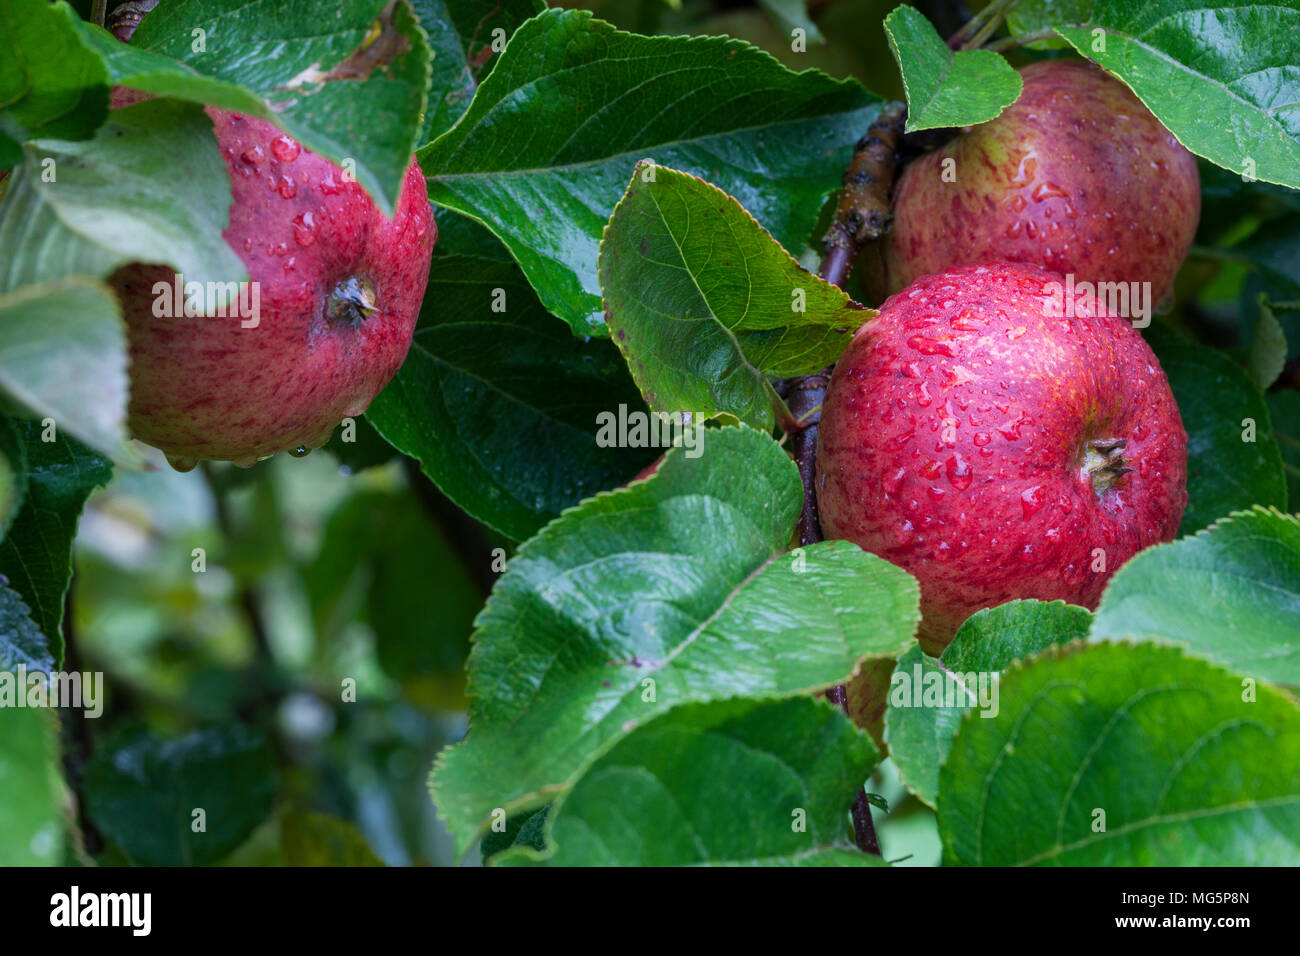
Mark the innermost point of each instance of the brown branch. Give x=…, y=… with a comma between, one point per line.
x=863, y=212
x=862, y=215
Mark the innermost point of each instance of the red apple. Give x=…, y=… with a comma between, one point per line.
x=996, y=451
x=1077, y=176
x=339, y=290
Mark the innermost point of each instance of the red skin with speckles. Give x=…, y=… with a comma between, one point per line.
x=955, y=439
x=208, y=388
x=1077, y=177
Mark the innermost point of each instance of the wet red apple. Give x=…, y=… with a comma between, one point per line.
x=1076, y=176
x=997, y=449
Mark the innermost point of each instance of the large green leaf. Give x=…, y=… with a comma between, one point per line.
x=1125, y=754
x=674, y=590
x=1221, y=408
x=31, y=814
x=1224, y=77
x=1231, y=594
x=63, y=355
x=144, y=792
x=463, y=35
x=947, y=87
x=705, y=304
x=150, y=187
x=724, y=783
x=545, y=150
x=350, y=86
x=498, y=401
x=50, y=84
x=919, y=733
x=13, y=473
x=36, y=553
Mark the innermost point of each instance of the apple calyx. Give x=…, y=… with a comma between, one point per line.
x=351, y=301
x=1103, y=463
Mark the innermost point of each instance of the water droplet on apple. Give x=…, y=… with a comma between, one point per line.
x=253, y=156
x=982, y=438
x=287, y=187
x=284, y=149
x=182, y=462
x=301, y=451
x=904, y=533
x=304, y=229
x=1045, y=191
x=959, y=472
x=1031, y=500
x=891, y=483
x=936, y=346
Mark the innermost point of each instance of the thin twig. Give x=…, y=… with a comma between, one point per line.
x=1022, y=39
x=78, y=742
x=861, y=216
x=961, y=40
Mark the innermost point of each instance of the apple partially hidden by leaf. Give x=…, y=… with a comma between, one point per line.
x=1076, y=176
x=324, y=323
x=996, y=448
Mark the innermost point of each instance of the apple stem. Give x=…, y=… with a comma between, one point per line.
x=1104, y=464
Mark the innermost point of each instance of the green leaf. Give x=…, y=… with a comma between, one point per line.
x=1222, y=77
x=359, y=449
x=21, y=641
x=31, y=792
x=308, y=838
x=63, y=356
x=143, y=792
x=1284, y=406
x=526, y=830
x=1275, y=249
x=461, y=35
x=379, y=552
x=500, y=403
x=1267, y=347
x=117, y=198
x=704, y=304
x=36, y=554
x=1190, y=766
x=724, y=783
x=919, y=735
x=13, y=473
x=1219, y=406
x=1031, y=16
x=673, y=590
x=50, y=84
x=947, y=87
x=594, y=101
x=1230, y=594
x=350, y=86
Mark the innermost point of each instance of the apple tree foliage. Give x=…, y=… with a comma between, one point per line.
x=628, y=205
